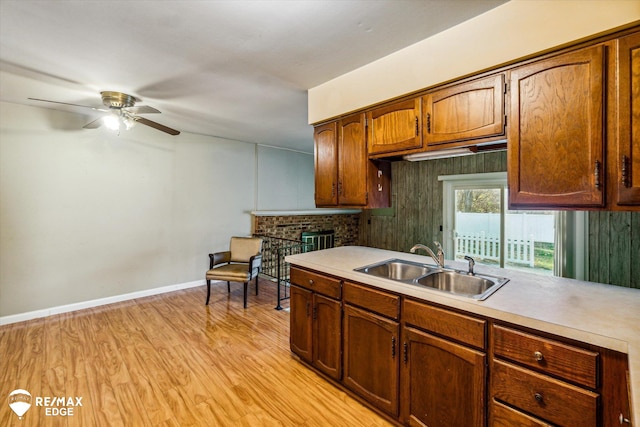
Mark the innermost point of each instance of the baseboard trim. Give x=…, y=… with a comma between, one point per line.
x=21, y=317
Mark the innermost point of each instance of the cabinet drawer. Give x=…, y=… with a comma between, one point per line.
x=550, y=399
x=571, y=363
x=505, y=416
x=459, y=327
x=379, y=302
x=328, y=286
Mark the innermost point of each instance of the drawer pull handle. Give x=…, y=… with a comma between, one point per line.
x=624, y=420
x=310, y=282
x=538, y=397
x=538, y=356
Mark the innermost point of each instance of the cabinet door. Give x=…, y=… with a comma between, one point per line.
x=628, y=153
x=465, y=111
x=352, y=161
x=326, y=335
x=394, y=128
x=556, y=135
x=371, y=358
x=443, y=383
x=326, y=164
x=300, y=336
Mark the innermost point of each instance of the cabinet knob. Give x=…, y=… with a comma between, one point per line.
x=538, y=356
x=624, y=420
x=538, y=397
x=311, y=282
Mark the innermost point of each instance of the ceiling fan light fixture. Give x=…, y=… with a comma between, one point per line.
x=128, y=120
x=121, y=112
x=111, y=122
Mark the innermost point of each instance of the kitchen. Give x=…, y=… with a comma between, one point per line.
x=195, y=155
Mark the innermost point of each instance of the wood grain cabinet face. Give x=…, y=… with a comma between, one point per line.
x=394, y=128
x=628, y=149
x=326, y=164
x=552, y=400
x=371, y=357
x=505, y=416
x=567, y=362
x=316, y=321
x=352, y=161
x=301, y=332
x=556, y=131
x=443, y=383
x=344, y=175
x=464, y=112
x=556, y=382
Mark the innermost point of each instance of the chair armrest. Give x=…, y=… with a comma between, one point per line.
x=255, y=262
x=219, y=258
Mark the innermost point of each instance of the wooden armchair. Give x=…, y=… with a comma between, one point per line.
x=240, y=263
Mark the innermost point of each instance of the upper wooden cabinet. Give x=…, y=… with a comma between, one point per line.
x=556, y=131
x=326, y=164
x=344, y=175
x=627, y=156
x=467, y=111
x=394, y=128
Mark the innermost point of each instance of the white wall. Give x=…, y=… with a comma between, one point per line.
x=285, y=179
x=86, y=214
x=508, y=32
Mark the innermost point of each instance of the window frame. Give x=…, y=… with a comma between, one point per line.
x=571, y=255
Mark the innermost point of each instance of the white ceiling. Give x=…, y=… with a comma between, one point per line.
x=230, y=68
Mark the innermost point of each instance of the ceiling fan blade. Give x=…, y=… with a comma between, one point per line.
x=156, y=125
x=94, y=124
x=67, y=103
x=143, y=109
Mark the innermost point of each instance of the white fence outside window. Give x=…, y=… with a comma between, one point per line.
x=518, y=251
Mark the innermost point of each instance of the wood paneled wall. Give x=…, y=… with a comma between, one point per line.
x=614, y=248
x=416, y=196
x=416, y=217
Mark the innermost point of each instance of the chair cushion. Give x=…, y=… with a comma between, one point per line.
x=229, y=272
x=243, y=248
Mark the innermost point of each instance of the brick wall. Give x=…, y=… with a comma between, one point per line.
x=291, y=227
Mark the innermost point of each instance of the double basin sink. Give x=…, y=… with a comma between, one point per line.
x=476, y=286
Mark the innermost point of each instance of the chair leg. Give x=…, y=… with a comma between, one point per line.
x=246, y=285
x=208, y=291
x=256, y=285
x=228, y=287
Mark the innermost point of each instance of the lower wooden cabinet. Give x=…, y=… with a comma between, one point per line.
x=550, y=399
x=316, y=321
x=443, y=382
x=505, y=416
x=301, y=329
x=371, y=354
x=427, y=365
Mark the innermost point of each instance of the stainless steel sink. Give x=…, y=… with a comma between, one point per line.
x=396, y=269
x=476, y=286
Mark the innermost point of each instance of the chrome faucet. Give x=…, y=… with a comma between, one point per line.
x=439, y=258
x=472, y=262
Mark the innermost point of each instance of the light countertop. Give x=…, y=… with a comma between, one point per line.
x=603, y=315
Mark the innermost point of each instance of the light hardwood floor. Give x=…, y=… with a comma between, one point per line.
x=169, y=360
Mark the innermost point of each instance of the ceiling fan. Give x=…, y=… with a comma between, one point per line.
x=122, y=110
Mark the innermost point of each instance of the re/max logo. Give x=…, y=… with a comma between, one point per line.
x=58, y=401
